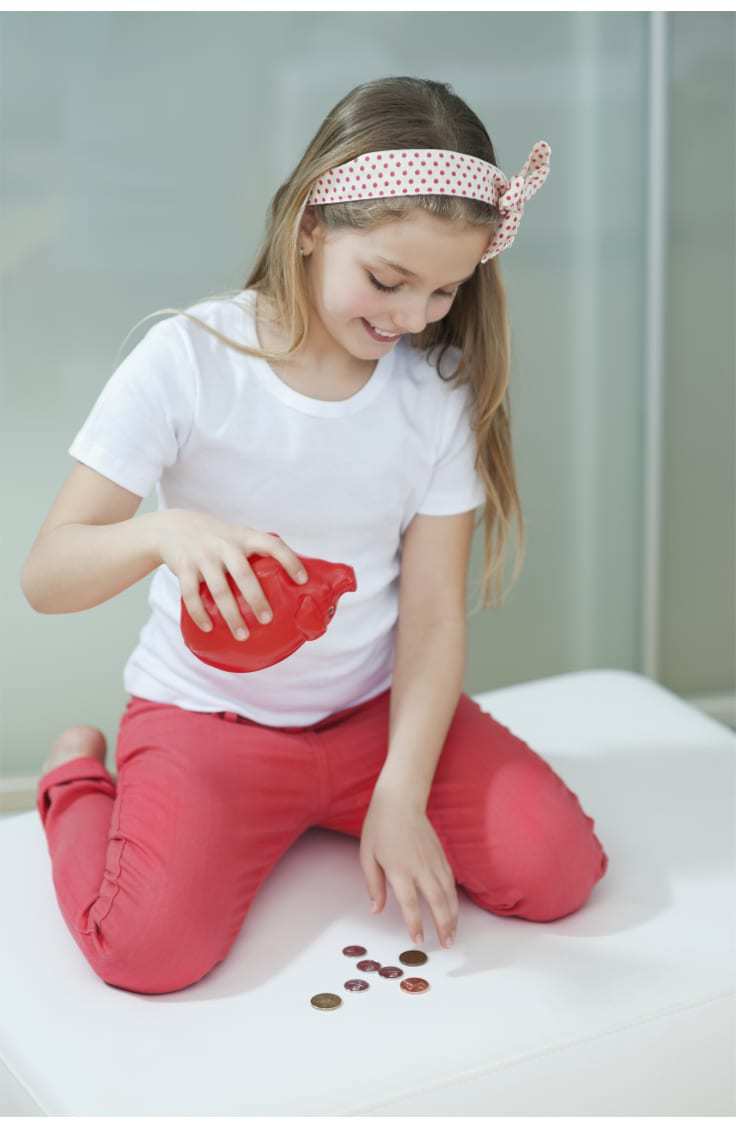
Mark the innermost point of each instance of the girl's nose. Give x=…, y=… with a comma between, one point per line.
x=412, y=319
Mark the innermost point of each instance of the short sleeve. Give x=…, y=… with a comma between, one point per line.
x=455, y=485
x=144, y=413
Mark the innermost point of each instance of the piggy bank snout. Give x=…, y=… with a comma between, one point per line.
x=343, y=580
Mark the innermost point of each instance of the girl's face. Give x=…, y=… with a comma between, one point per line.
x=351, y=284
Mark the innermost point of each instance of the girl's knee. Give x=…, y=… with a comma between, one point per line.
x=146, y=980
x=548, y=893
x=152, y=952
x=544, y=855
x=151, y=971
x=566, y=891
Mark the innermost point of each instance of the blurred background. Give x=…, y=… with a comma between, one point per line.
x=139, y=152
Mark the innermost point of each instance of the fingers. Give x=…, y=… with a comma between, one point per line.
x=245, y=581
x=189, y=582
x=248, y=583
x=375, y=879
x=214, y=577
x=291, y=563
x=442, y=902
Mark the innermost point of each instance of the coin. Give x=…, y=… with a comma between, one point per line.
x=414, y=985
x=326, y=1001
x=391, y=972
x=354, y=950
x=368, y=965
x=356, y=985
x=413, y=957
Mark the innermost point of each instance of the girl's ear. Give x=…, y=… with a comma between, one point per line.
x=309, y=230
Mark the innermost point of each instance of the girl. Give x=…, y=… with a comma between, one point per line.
x=312, y=401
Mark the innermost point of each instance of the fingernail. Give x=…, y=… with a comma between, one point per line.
x=419, y=938
x=449, y=940
x=374, y=906
x=301, y=577
x=240, y=633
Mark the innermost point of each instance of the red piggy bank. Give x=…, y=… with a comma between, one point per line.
x=301, y=613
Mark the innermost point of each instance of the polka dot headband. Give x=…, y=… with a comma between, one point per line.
x=438, y=172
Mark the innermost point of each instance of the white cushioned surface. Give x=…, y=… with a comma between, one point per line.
x=623, y=1008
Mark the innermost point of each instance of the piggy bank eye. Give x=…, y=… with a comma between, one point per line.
x=331, y=611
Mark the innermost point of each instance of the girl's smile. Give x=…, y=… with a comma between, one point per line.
x=382, y=337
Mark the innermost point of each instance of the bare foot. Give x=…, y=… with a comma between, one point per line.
x=79, y=740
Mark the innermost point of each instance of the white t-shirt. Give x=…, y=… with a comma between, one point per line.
x=219, y=432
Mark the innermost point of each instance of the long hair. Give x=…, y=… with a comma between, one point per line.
x=400, y=113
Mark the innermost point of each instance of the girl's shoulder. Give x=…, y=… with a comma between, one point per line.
x=222, y=309
x=230, y=315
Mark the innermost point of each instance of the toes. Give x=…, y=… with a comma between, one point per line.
x=79, y=740
x=81, y=734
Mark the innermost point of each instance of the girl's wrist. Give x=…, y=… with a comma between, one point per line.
x=153, y=527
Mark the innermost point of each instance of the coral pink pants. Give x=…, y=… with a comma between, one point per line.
x=154, y=872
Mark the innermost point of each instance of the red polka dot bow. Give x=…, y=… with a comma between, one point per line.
x=438, y=172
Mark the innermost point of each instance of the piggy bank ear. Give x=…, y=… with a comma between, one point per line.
x=309, y=619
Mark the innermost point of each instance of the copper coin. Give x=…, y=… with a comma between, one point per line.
x=368, y=965
x=391, y=972
x=356, y=985
x=354, y=950
x=414, y=985
x=413, y=957
x=326, y=1001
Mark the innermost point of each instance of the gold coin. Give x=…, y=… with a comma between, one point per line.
x=413, y=957
x=326, y=1001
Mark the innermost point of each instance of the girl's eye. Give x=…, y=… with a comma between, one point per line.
x=391, y=289
x=377, y=284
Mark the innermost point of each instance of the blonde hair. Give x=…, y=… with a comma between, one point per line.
x=395, y=113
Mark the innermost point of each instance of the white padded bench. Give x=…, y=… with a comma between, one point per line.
x=623, y=1008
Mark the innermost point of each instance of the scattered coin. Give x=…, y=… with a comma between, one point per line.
x=356, y=985
x=326, y=1001
x=413, y=957
x=391, y=972
x=354, y=950
x=414, y=985
x=368, y=965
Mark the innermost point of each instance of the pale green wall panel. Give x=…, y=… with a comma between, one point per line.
x=698, y=626
x=139, y=152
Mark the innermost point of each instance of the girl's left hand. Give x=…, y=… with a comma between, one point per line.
x=399, y=842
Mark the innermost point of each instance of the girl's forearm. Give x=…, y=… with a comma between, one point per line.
x=77, y=566
x=429, y=668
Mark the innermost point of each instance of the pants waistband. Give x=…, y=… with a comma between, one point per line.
x=326, y=722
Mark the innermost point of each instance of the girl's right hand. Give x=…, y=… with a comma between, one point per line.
x=196, y=547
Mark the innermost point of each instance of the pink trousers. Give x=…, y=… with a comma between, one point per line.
x=154, y=871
